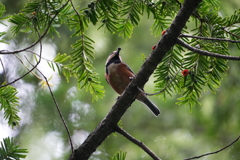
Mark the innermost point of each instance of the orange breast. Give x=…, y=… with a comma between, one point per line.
x=118, y=77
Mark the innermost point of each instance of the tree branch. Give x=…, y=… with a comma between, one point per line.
x=207, y=154
x=26, y=49
x=56, y=104
x=27, y=67
x=4, y=72
x=234, y=35
x=40, y=37
x=206, y=53
x=207, y=38
x=137, y=142
x=40, y=56
x=106, y=126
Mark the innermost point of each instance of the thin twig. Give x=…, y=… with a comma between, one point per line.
x=51, y=61
x=40, y=38
x=179, y=3
x=38, y=55
x=231, y=33
x=137, y=142
x=230, y=25
x=4, y=72
x=207, y=38
x=75, y=10
x=40, y=42
x=196, y=15
x=26, y=66
x=79, y=18
x=196, y=157
x=224, y=29
x=206, y=53
x=56, y=104
x=25, y=49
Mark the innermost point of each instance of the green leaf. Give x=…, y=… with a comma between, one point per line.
x=2, y=9
x=59, y=62
x=131, y=11
x=108, y=12
x=166, y=72
x=32, y=7
x=120, y=155
x=82, y=66
x=9, y=101
x=9, y=150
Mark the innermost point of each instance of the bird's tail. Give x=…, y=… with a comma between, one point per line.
x=151, y=106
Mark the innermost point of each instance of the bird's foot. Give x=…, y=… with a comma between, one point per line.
x=117, y=98
x=131, y=78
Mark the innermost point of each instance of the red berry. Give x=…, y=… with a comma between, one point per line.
x=185, y=72
x=163, y=32
x=153, y=47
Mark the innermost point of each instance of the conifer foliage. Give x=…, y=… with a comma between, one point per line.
x=207, y=32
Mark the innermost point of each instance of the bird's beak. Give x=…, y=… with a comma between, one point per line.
x=118, y=50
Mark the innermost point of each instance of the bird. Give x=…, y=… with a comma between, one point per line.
x=118, y=75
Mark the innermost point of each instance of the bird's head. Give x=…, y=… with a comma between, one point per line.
x=114, y=56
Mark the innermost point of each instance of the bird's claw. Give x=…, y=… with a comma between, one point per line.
x=131, y=78
x=117, y=98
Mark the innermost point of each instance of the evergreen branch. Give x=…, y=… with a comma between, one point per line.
x=40, y=37
x=130, y=9
x=9, y=150
x=210, y=153
x=27, y=48
x=119, y=156
x=211, y=39
x=167, y=69
x=197, y=15
x=30, y=69
x=161, y=12
x=56, y=104
x=170, y=82
x=229, y=22
x=4, y=71
x=38, y=55
x=179, y=3
x=234, y=35
x=229, y=25
x=12, y=114
x=206, y=53
x=137, y=142
x=108, y=12
x=53, y=61
x=58, y=60
x=82, y=56
x=9, y=101
x=75, y=10
x=27, y=67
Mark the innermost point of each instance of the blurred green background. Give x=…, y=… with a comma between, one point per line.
x=175, y=134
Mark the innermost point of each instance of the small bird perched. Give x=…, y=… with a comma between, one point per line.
x=119, y=75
